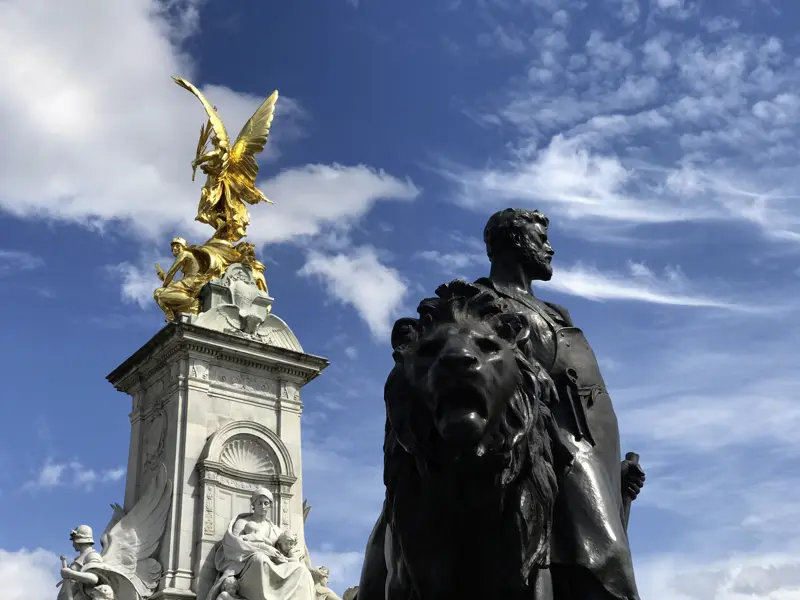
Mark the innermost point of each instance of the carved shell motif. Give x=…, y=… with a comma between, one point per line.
x=248, y=456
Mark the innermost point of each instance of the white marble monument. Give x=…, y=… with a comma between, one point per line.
x=216, y=399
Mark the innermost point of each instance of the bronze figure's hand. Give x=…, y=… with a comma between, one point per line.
x=632, y=479
x=548, y=389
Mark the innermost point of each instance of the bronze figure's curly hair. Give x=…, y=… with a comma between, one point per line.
x=503, y=230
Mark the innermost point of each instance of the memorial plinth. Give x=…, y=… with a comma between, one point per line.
x=222, y=412
x=214, y=494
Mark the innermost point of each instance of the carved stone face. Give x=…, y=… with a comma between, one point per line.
x=101, y=592
x=287, y=541
x=261, y=506
x=230, y=585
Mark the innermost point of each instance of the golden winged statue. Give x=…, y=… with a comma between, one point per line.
x=230, y=170
x=230, y=182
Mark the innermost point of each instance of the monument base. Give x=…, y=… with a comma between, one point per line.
x=222, y=412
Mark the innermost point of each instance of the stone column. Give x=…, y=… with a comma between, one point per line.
x=221, y=410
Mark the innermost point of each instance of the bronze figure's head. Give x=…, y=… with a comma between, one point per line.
x=519, y=236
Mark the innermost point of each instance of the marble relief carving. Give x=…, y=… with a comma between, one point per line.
x=248, y=456
x=198, y=370
x=232, y=379
x=208, y=519
x=154, y=438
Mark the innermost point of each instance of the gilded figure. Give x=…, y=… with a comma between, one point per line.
x=199, y=265
x=230, y=170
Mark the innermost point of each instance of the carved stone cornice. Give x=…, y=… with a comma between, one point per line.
x=177, y=341
x=236, y=480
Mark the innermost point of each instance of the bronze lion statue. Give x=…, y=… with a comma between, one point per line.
x=468, y=462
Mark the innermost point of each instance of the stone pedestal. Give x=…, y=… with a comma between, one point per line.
x=222, y=411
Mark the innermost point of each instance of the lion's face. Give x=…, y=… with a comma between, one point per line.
x=465, y=373
x=462, y=371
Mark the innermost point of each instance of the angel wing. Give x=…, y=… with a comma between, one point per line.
x=213, y=117
x=129, y=544
x=115, y=518
x=242, y=167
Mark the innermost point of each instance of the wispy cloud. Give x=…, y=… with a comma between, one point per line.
x=71, y=474
x=637, y=283
x=660, y=127
x=713, y=419
x=17, y=260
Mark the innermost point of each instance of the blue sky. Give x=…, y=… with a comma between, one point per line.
x=660, y=136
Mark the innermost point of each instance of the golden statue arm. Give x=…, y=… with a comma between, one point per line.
x=204, y=158
x=173, y=270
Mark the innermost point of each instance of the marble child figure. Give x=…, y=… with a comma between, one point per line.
x=229, y=589
x=261, y=557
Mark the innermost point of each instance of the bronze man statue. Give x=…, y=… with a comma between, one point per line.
x=589, y=555
x=591, y=558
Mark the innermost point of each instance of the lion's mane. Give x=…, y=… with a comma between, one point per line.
x=521, y=482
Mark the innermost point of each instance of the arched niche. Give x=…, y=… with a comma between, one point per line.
x=237, y=459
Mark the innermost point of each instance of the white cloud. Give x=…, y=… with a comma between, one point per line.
x=29, y=574
x=451, y=262
x=773, y=576
x=676, y=9
x=72, y=474
x=568, y=177
x=114, y=136
x=656, y=55
x=358, y=278
x=708, y=403
x=504, y=38
x=138, y=283
x=314, y=196
x=15, y=260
